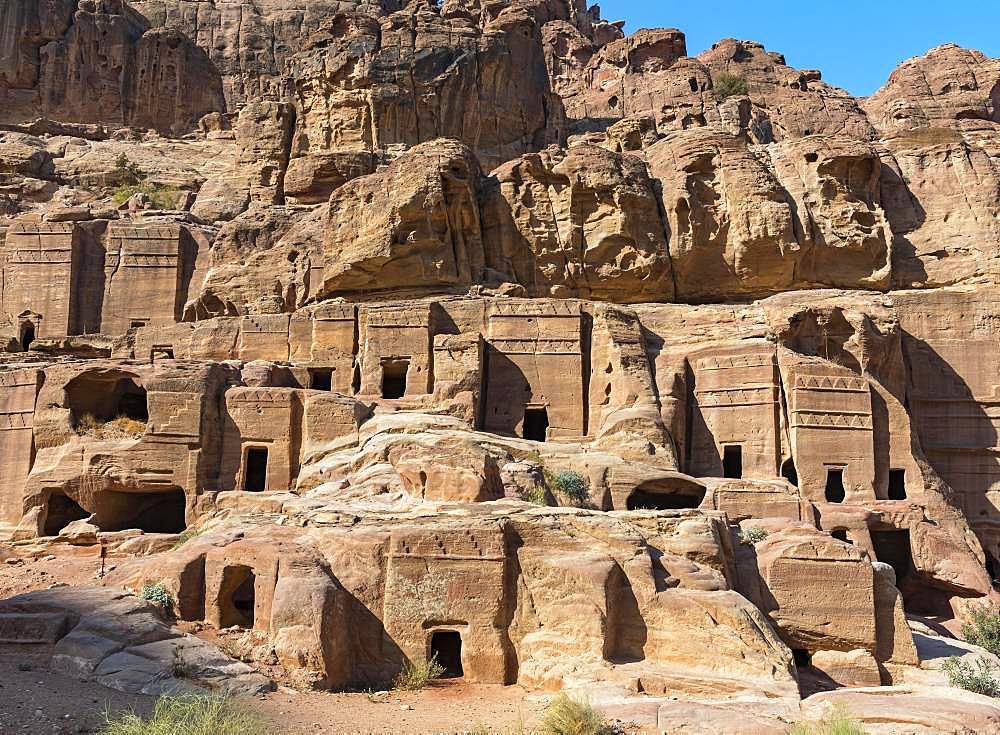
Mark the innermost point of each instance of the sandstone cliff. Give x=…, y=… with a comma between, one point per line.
x=483, y=319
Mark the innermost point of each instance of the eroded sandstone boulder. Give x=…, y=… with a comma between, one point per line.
x=414, y=225
x=582, y=222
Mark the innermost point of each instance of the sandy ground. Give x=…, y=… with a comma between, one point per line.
x=33, y=699
x=445, y=707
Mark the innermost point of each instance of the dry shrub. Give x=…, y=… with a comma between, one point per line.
x=190, y=714
x=566, y=716
x=416, y=676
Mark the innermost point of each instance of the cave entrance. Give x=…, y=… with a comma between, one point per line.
x=841, y=535
x=62, y=510
x=106, y=397
x=732, y=461
x=536, y=424
x=394, y=378
x=255, y=470
x=27, y=335
x=835, y=485
x=162, y=512
x=674, y=494
x=239, y=599
x=321, y=379
x=897, y=484
x=131, y=401
x=446, y=647
x=893, y=548
x=789, y=472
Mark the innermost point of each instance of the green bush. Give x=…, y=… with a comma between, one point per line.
x=729, y=85
x=416, y=676
x=186, y=535
x=158, y=594
x=753, y=535
x=982, y=625
x=980, y=677
x=189, y=715
x=569, y=483
x=131, y=180
x=566, y=716
x=128, y=173
x=837, y=722
x=162, y=197
x=535, y=495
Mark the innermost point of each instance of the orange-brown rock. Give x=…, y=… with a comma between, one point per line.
x=582, y=222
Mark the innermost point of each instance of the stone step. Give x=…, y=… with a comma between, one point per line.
x=32, y=627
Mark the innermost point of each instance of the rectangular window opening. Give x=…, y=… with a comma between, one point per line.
x=394, y=378
x=897, y=484
x=321, y=378
x=255, y=470
x=732, y=461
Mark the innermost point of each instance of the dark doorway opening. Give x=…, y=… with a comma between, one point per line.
x=164, y=513
x=897, y=484
x=27, y=335
x=446, y=648
x=802, y=657
x=149, y=512
x=841, y=535
x=239, y=609
x=321, y=378
x=835, y=485
x=893, y=548
x=645, y=500
x=255, y=471
x=789, y=472
x=62, y=511
x=732, y=461
x=132, y=401
x=992, y=568
x=394, y=378
x=536, y=424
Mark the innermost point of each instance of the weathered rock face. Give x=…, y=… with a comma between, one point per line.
x=791, y=103
x=750, y=220
x=946, y=85
x=371, y=85
x=582, y=222
x=248, y=43
x=103, y=63
x=413, y=226
x=439, y=321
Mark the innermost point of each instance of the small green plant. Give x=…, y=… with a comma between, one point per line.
x=128, y=173
x=982, y=625
x=729, y=85
x=158, y=594
x=569, y=483
x=131, y=180
x=416, y=676
x=185, y=536
x=753, y=535
x=838, y=722
x=535, y=494
x=189, y=714
x=566, y=716
x=980, y=677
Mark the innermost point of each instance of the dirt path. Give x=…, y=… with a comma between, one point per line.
x=35, y=700
x=442, y=708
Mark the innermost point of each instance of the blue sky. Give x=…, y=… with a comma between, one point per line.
x=855, y=43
